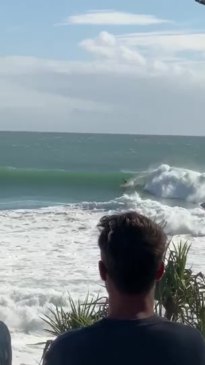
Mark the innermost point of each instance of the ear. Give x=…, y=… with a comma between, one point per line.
x=102, y=270
x=160, y=272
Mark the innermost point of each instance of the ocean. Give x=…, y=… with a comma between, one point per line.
x=53, y=190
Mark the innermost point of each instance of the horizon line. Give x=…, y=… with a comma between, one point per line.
x=104, y=133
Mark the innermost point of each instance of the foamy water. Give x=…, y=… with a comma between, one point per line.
x=176, y=183
x=49, y=252
x=44, y=255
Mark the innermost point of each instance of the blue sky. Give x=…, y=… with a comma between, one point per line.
x=81, y=66
x=27, y=27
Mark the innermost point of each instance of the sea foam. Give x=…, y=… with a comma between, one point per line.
x=176, y=183
x=49, y=252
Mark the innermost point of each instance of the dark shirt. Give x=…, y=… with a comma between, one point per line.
x=152, y=341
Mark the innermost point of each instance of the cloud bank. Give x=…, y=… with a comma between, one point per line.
x=146, y=82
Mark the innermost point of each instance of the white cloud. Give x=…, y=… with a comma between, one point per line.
x=150, y=53
x=134, y=83
x=15, y=95
x=99, y=96
x=166, y=42
x=112, y=17
x=107, y=45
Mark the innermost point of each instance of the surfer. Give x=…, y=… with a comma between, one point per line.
x=202, y=205
x=125, y=184
x=128, y=185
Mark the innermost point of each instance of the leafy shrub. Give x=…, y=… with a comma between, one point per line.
x=179, y=297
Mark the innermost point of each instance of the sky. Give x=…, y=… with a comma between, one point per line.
x=119, y=67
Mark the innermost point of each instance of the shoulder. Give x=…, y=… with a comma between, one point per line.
x=68, y=342
x=69, y=337
x=178, y=327
x=3, y=327
x=78, y=334
x=180, y=331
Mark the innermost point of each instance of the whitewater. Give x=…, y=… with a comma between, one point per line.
x=176, y=183
x=54, y=188
x=49, y=252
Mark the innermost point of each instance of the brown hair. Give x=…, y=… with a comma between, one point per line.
x=132, y=248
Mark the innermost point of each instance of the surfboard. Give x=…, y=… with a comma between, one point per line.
x=5, y=345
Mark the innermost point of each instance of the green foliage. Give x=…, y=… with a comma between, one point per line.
x=180, y=297
x=80, y=314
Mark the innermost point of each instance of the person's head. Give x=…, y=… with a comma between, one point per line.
x=132, y=251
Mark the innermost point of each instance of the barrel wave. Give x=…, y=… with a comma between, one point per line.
x=56, y=186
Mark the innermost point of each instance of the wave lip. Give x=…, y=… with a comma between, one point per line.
x=176, y=183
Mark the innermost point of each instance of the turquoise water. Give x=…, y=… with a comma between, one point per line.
x=40, y=169
x=64, y=184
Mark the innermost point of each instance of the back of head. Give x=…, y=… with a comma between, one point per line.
x=132, y=248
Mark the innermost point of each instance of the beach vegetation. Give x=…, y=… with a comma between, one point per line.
x=179, y=297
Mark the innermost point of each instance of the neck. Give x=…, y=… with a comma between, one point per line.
x=131, y=307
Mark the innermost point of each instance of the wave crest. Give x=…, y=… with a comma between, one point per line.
x=169, y=182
